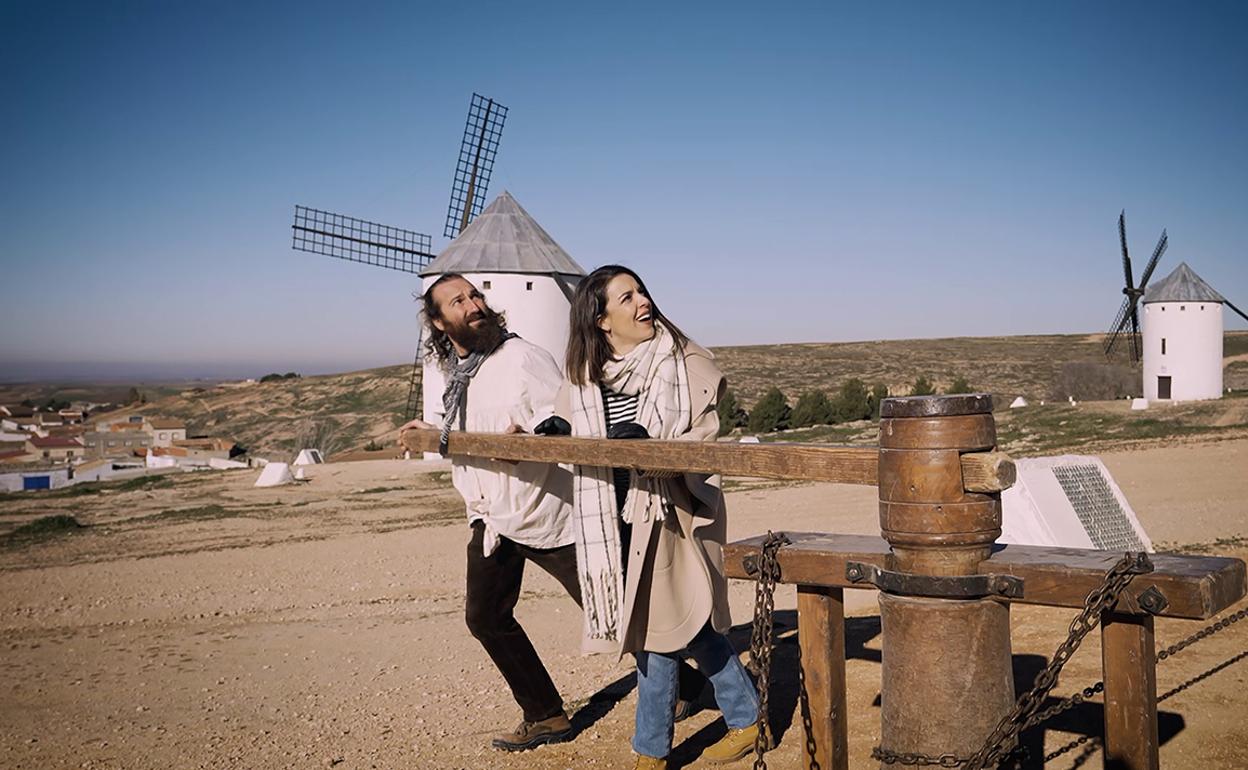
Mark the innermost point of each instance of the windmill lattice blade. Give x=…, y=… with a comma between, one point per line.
x=1136, y=349
x=1152, y=262
x=476, y=162
x=1237, y=310
x=1122, y=238
x=358, y=240
x=414, y=387
x=1116, y=328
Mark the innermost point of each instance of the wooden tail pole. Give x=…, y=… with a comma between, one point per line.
x=946, y=678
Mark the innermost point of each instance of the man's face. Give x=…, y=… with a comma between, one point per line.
x=465, y=316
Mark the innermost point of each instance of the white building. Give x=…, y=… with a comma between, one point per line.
x=1182, y=328
x=521, y=271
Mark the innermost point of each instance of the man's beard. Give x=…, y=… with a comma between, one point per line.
x=482, y=338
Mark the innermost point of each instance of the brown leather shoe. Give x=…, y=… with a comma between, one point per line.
x=737, y=744
x=556, y=729
x=650, y=763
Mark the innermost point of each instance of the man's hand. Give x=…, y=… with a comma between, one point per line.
x=513, y=428
x=414, y=425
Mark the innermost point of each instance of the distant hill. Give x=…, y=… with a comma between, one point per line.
x=339, y=412
x=333, y=412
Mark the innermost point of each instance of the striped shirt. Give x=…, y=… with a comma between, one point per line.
x=619, y=408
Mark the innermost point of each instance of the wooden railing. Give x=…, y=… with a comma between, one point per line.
x=937, y=506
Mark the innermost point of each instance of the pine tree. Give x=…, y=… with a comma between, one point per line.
x=771, y=413
x=922, y=387
x=813, y=408
x=731, y=415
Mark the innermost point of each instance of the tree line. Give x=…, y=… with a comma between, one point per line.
x=854, y=400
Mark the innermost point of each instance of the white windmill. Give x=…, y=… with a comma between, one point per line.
x=521, y=271
x=1183, y=338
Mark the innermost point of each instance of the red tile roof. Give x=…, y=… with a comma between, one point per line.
x=161, y=423
x=55, y=442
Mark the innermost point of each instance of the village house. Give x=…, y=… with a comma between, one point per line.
x=55, y=448
x=205, y=448
x=121, y=439
x=165, y=431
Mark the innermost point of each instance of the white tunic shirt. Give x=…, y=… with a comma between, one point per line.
x=528, y=503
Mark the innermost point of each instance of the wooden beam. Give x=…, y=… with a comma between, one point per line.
x=821, y=639
x=982, y=471
x=1196, y=587
x=1128, y=657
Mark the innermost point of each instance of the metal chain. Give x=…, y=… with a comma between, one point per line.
x=1005, y=737
x=1066, y=704
x=761, y=635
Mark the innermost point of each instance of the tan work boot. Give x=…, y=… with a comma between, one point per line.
x=650, y=763
x=738, y=743
x=556, y=729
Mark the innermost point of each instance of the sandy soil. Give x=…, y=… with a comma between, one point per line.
x=208, y=624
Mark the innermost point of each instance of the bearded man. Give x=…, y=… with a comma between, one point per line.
x=518, y=512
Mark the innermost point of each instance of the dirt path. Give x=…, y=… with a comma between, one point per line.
x=207, y=624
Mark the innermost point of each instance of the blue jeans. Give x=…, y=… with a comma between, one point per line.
x=656, y=690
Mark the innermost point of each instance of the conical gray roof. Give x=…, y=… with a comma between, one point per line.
x=504, y=239
x=1182, y=285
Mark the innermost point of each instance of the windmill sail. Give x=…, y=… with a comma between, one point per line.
x=476, y=162
x=359, y=240
x=1127, y=322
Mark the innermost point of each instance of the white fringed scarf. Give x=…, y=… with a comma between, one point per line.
x=655, y=371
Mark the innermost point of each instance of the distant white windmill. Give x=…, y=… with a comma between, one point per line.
x=1183, y=338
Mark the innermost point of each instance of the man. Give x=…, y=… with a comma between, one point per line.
x=518, y=512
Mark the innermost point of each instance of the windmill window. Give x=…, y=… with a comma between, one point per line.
x=1163, y=346
x=1182, y=307
x=485, y=284
x=528, y=286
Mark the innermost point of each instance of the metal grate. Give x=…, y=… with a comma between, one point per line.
x=358, y=240
x=1097, y=508
x=476, y=162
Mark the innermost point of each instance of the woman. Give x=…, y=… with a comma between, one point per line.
x=649, y=546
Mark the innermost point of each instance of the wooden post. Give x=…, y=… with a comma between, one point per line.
x=1128, y=656
x=821, y=639
x=946, y=675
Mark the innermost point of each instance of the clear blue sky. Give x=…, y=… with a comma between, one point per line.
x=778, y=172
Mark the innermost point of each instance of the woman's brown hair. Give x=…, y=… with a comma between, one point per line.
x=588, y=348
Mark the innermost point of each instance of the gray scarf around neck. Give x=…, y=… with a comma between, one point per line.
x=455, y=397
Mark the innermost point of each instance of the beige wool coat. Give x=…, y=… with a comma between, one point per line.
x=675, y=582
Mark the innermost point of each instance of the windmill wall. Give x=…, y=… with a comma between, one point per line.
x=536, y=309
x=1193, y=349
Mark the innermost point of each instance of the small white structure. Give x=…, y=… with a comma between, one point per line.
x=275, y=475
x=309, y=457
x=521, y=271
x=1182, y=338
x=1018, y=403
x=1139, y=404
x=1069, y=501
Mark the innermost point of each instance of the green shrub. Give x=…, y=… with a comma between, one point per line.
x=879, y=392
x=45, y=527
x=813, y=408
x=373, y=446
x=960, y=385
x=922, y=387
x=771, y=413
x=731, y=415
x=853, y=401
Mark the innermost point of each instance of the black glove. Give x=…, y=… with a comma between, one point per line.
x=628, y=430
x=553, y=426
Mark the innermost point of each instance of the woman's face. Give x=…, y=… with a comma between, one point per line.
x=626, y=320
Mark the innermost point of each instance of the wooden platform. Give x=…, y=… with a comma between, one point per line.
x=1197, y=587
